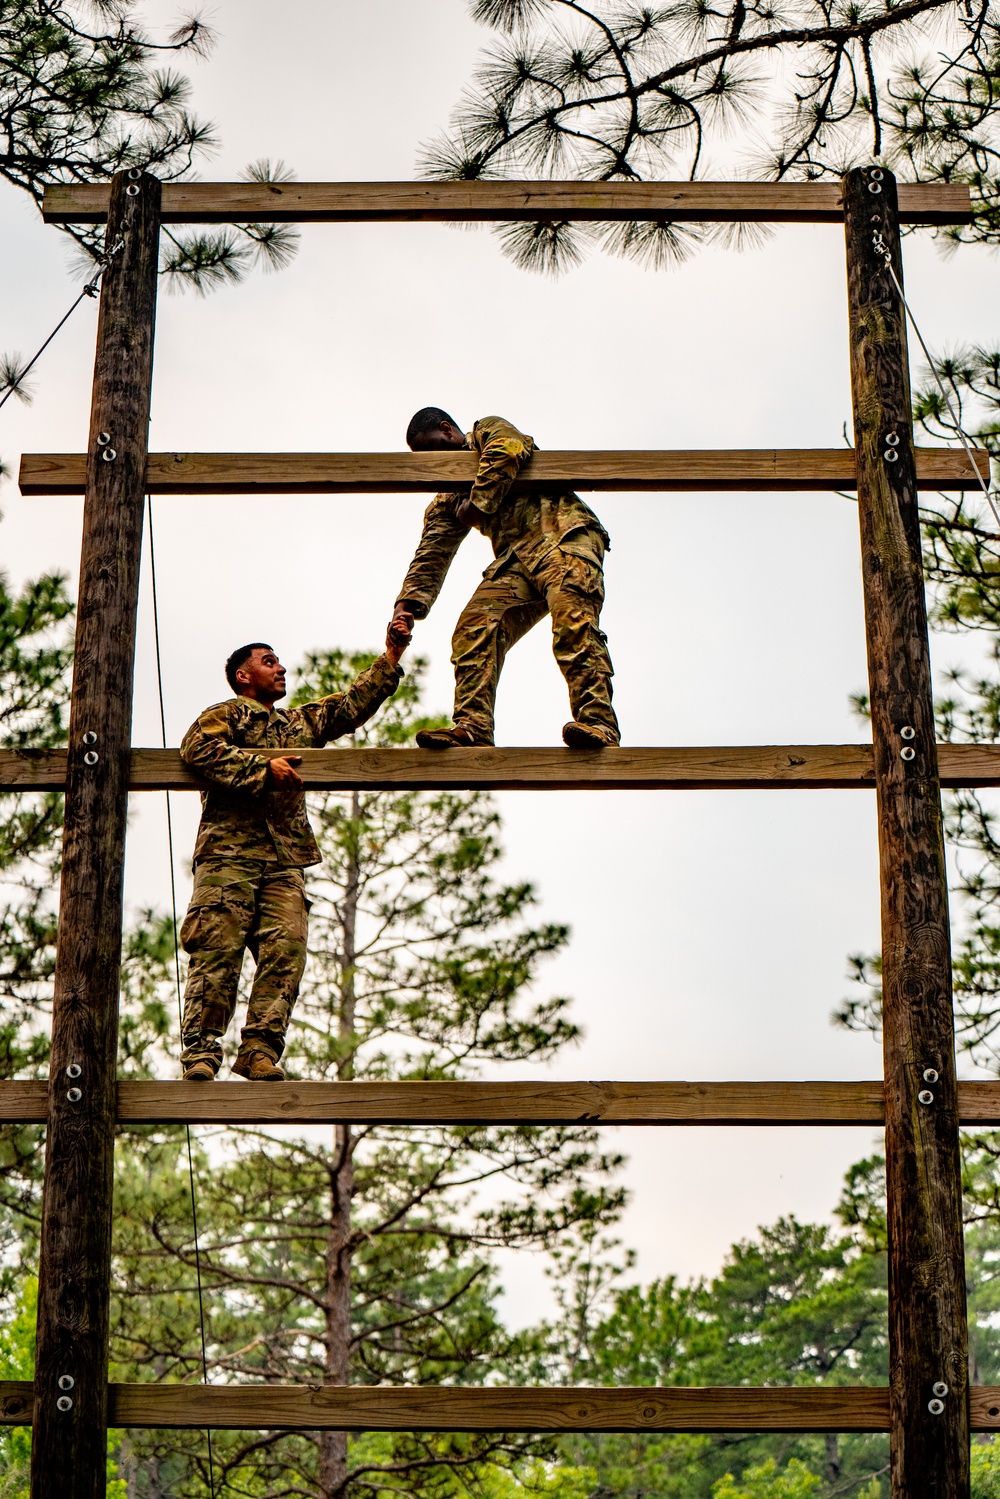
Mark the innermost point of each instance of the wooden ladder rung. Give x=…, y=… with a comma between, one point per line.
x=445, y=1408
x=817, y=767
x=752, y=469
x=501, y=1103
x=483, y=202
x=273, y=1407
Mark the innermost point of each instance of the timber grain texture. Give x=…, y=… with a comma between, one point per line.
x=484, y=202
x=276, y=1407
x=444, y=1103
x=362, y=1408
x=714, y=470
x=822, y=767
x=69, y=1450
x=928, y=1343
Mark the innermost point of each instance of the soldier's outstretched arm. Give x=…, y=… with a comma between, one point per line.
x=208, y=749
x=441, y=538
x=343, y=712
x=503, y=452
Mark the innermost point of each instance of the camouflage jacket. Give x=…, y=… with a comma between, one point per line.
x=242, y=815
x=526, y=526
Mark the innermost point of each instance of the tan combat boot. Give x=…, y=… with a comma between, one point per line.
x=583, y=736
x=258, y=1067
x=200, y=1072
x=442, y=739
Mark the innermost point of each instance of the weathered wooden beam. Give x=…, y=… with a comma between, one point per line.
x=69, y=1451
x=928, y=1342
x=475, y=1103
x=822, y=767
x=633, y=1103
x=484, y=202
x=751, y=469
x=499, y=1103
x=24, y=1102
x=364, y=1408
x=361, y=1408
x=248, y=1407
x=446, y=1103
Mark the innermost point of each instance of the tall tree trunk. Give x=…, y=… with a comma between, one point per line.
x=831, y=1469
x=333, y=1444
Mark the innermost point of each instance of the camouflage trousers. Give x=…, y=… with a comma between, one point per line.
x=565, y=585
x=239, y=905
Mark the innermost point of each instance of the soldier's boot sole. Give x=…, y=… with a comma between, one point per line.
x=581, y=736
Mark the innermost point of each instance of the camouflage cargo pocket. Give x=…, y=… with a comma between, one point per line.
x=219, y=923
x=581, y=576
x=586, y=544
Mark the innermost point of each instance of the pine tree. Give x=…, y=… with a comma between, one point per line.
x=85, y=91
x=797, y=1304
x=34, y=662
x=802, y=91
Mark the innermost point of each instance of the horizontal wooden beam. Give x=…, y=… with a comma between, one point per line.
x=486, y=202
x=824, y=767
x=500, y=1103
x=501, y=1409
x=269, y=1407
x=363, y=1408
x=752, y=469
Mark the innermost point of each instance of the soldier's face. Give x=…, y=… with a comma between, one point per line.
x=262, y=677
x=438, y=439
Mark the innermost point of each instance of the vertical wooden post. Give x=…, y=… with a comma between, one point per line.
x=70, y=1417
x=927, y=1317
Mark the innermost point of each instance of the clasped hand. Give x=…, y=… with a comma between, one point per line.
x=398, y=635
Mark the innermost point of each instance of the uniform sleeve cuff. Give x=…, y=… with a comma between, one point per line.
x=416, y=607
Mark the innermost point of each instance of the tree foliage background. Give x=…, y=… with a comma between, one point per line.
x=778, y=89
x=86, y=90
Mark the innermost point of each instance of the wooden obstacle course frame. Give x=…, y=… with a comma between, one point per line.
x=927, y=1331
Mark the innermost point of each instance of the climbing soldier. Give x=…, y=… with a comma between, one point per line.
x=253, y=843
x=548, y=559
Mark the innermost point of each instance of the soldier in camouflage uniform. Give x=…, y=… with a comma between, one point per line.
x=253, y=843
x=548, y=559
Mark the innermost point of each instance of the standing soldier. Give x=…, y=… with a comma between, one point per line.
x=253, y=843
x=548, y=559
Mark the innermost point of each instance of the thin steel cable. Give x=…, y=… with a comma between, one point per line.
x=90, y=290
x=983, y=484
x=177, y=978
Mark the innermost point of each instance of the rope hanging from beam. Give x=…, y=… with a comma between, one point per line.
x=177, y=980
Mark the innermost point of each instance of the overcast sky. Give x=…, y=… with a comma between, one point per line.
x=710, y=929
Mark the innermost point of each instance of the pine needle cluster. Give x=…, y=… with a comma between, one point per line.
x=86, y=90
x=616, y=90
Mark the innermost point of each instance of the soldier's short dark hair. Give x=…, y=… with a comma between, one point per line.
x=240, y=658
x=427, y=419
